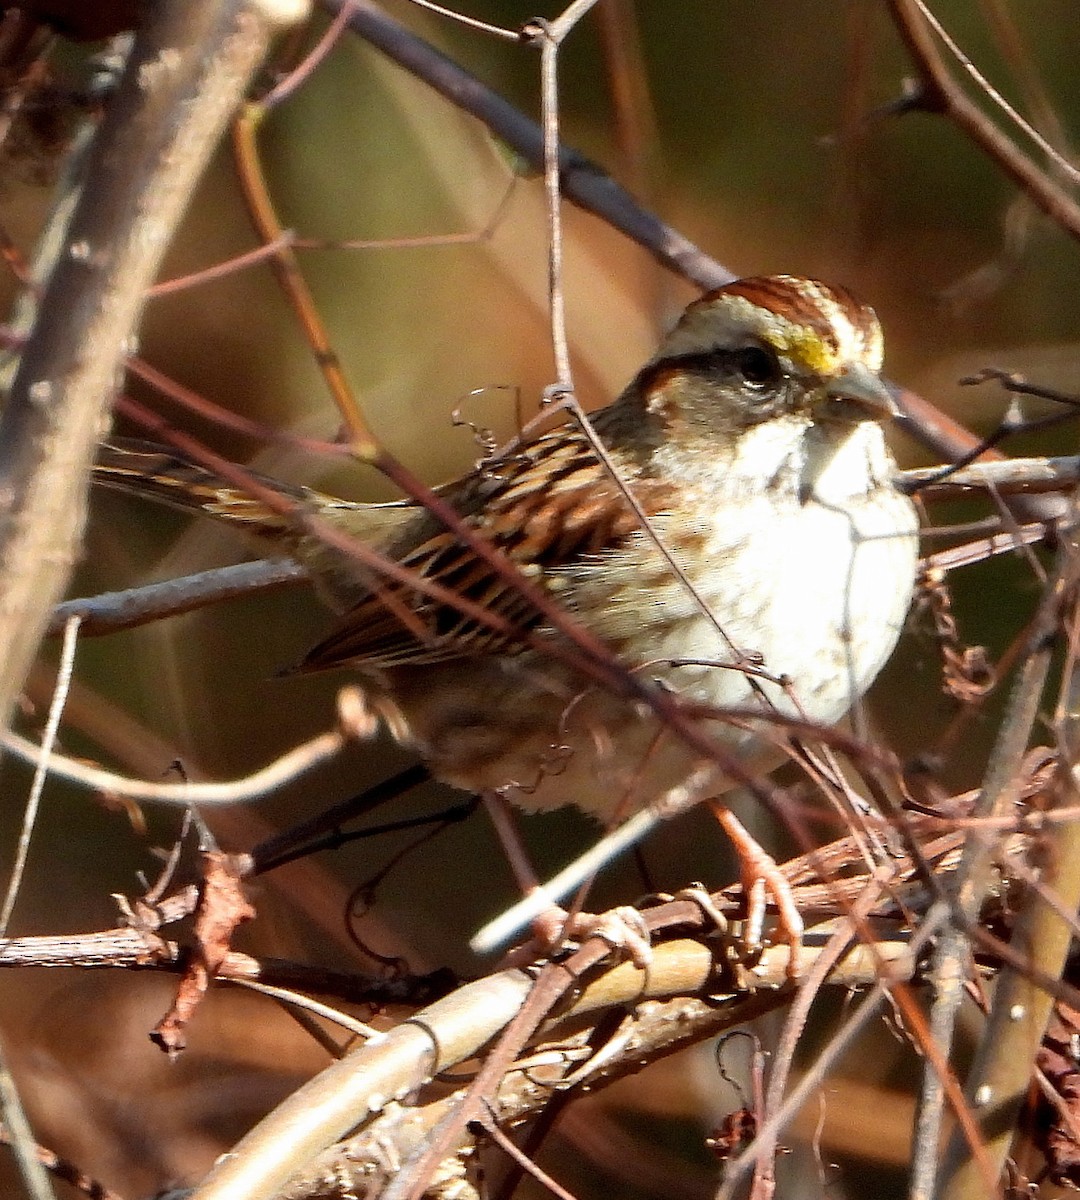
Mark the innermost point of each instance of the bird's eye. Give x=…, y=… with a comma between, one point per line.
x=758, y=366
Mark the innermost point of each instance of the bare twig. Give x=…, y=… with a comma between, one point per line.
x=783, y=1058
x=510, y=35
x=291, y=279
x=271, y=777
x=549, y=35
x=21, y=1138
x=868, y=1008
x=941, y=94
x=113, y=611
x=303, y=70
x=139, y=945
x=291, y=999
x=1061, y=165
x=66, y=1170
x=41, y=770
x=1006, y=475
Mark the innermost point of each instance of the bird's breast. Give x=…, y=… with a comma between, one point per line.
x=784, y=601
x=797, y=590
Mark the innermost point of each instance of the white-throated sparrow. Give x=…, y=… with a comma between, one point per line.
x=752, y=442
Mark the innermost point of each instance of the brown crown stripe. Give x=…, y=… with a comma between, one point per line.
x=796, y=300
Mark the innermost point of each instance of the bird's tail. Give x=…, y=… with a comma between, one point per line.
x=166, y=476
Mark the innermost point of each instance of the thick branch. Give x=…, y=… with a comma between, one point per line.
x=692, y=960
x=186, y=72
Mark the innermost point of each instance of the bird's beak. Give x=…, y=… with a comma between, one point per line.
x=859, y=393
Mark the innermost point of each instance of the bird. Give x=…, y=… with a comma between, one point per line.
x=738, y=544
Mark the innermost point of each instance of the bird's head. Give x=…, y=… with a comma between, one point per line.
x=767, y=347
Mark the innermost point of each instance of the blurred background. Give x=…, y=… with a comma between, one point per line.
x=764, y=133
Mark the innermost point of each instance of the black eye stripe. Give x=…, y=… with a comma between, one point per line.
x=756, y=365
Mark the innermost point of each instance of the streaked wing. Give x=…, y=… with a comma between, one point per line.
x=548, y=505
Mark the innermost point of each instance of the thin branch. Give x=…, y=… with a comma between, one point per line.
x=783, y=1057
x=289, y=998
x=869, y=1006
x=309, y=64
x=1063, y=166
x=543, y=34
x=111, y=612
x=290, y=277
x=193, y=402
x=270, y=778
x=64, y=1169
x=221, y=270
x=510, y=35
x=1006, y=475
x=21, y=1137
x=943, y=95
x=41, y=770
x=526, y=1164
x=140, y=946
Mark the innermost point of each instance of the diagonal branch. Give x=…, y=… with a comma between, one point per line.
x=582, y=181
